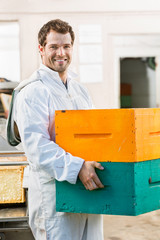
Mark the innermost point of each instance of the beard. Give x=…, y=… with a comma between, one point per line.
x=59, y=66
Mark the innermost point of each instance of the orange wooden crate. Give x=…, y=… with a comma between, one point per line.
x=116, y=135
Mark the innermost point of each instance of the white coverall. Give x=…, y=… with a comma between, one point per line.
x=34, y=114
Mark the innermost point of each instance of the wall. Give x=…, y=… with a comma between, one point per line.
x=111, y=6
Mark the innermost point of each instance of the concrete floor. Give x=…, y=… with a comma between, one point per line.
x=142, y=227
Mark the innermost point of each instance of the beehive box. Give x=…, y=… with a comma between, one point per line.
x=125, y=96
x=127, y=143
x=110, y=135
x=129, y=189
x=11, y=181
x=126, y=102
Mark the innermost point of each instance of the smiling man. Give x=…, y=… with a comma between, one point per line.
x=51, y=88
x=56, y=52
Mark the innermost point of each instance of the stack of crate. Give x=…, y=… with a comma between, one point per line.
x=126, y=93
x=127, y=143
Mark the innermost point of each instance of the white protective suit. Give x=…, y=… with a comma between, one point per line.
x=34, y=114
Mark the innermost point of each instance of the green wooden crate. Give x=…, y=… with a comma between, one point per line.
x=126, y=102
x=130, y=189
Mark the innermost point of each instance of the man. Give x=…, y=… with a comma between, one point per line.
x=52, y=88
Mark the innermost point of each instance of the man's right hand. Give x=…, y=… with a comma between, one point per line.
x=88, y=175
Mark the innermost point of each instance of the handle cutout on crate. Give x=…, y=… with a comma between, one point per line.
x=153, y=183
x=154, y=133
x=92, y=135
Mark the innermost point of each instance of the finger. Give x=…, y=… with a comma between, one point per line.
x=86, y=187
x=97, y=181
x=98, y=165
x=92, y=185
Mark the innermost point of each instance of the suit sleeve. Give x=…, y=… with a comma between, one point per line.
x=32, y=118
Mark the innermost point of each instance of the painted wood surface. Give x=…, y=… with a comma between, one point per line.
x=110, y=135
x=130, y=189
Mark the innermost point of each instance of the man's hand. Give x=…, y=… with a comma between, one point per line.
x=89, y=177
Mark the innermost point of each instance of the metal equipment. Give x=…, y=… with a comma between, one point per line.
x=14, y=216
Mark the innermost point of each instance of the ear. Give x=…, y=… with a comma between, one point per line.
x=41, y=49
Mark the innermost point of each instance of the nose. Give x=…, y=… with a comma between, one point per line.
x=60, y=51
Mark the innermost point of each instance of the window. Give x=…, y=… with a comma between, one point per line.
x=90, y=53
x=9, y=51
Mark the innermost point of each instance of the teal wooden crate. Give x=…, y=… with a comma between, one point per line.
x=130, y=189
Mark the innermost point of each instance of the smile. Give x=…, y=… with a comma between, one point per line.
x=60, y=60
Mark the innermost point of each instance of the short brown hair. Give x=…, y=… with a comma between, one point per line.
x=55, y=25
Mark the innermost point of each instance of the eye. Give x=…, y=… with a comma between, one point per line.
x=67, y=46
x=53, y=47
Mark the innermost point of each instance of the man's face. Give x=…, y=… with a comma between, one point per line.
x=57, y=53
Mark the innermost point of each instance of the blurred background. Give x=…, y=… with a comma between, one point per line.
x=116, y=52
